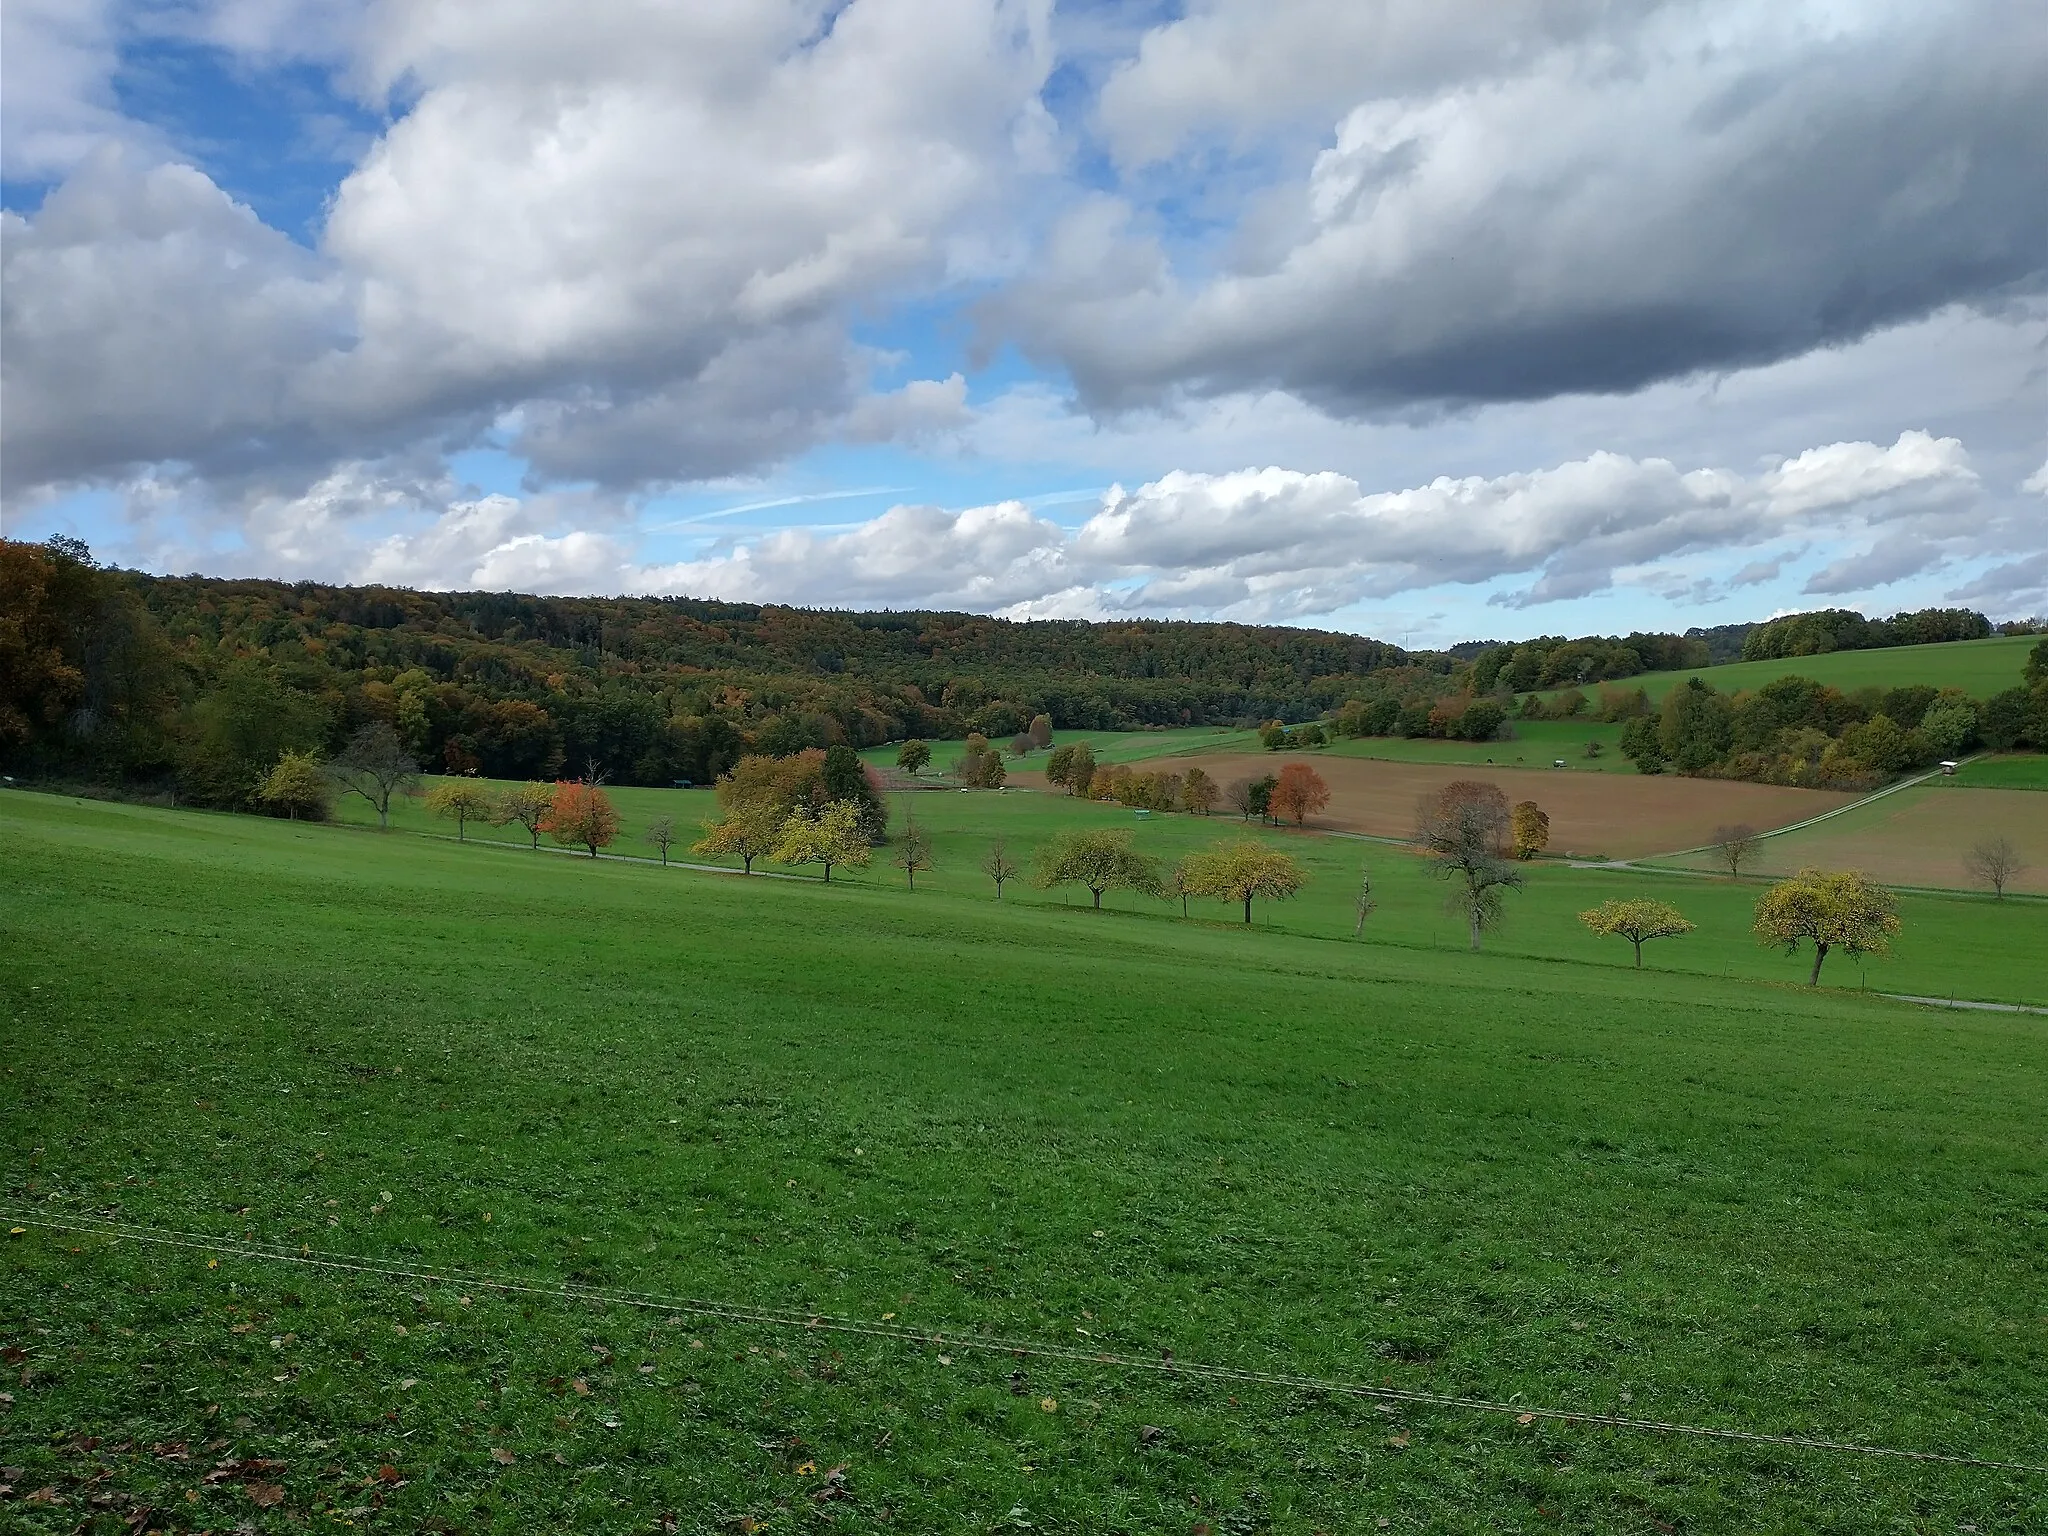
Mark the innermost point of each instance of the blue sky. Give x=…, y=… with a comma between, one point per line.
x=1421, y=320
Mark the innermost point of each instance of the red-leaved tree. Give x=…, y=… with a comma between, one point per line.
x=1300, y=793
x=582, y=816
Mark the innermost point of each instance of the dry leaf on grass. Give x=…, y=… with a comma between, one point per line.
x=501, y=1456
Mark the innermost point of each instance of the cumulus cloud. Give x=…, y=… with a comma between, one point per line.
x=1262, y=544
x=643, y=235
x=1646, y=199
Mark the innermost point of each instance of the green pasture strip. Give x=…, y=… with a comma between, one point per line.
x=1534, y=744
x=1951, y=945
x=1695, y=1199
x=1978, y=667
x=1108, y=746
x=2010, y=770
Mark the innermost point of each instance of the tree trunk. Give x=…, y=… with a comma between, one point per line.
x=1247, y=909
x=828, y=874
x=1820, y=953
x=1474, y=915
x=1639, y=952
x=746, y=863
x=1098, y=898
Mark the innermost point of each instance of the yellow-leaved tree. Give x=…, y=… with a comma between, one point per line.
x=461, y=801
x=834, y=836
x=1840, y=909
x=1241, y=872
x=1638, y=920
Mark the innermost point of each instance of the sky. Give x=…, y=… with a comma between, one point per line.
x=1426, y=319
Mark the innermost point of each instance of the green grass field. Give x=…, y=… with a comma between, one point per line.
x=2007, y=770
x=1978, y=667
x=1951, y=945
x=1558, y=1182
x=1108, y=746
x=1536, y=744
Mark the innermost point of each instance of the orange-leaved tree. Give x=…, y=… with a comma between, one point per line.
x=1300, y=793
x=581, y=815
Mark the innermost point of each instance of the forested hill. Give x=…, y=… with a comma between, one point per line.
x=126, y=675
x=198, y=684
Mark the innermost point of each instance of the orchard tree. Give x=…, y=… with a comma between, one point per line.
x=298, y=786
x=1072, y=767
x=1638, y=920
x=1020, y=745
x=581, y=815
x=1843, y=910
x=1531, y=829
x=915, y=854
x=1298, y=794
x=1365, y=904
x=1040, y=732
x=661, y=832
x=1995, y=862
x=1244, y=871
x=749, y=831
x=528, y=805
x=1735, y=846
x=1099, y=861
x=833, y=837
x=912, y=756
x=1463, y=831
x=376, y=766
x=461, y=801
x=999, y=866
x=1198, y=792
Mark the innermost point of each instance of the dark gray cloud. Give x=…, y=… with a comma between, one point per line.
x=1697, y=189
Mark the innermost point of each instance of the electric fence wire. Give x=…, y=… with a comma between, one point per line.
x=782, y=1318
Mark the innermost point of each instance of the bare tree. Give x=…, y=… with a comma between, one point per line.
x=1366, y=904
x=1463, y=829
x=1736, y=846
x=376, y=766
x=916, y=852
x=1242, y=796
x=661, y=832
x=1995, y=862
x=999, y=866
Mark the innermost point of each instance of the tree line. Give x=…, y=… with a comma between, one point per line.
x=193, y=686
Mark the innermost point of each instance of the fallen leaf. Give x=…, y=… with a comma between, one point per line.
x=1400, y=1441
x=1049, y=1404
x=1150, y=1434
x=266, y=1495
x=501, y=1456
x=1525, y=1418
x=387, y=1473
x=16, y=1231
x=580, y=1387
x=945, y=1359
x=806, y=1468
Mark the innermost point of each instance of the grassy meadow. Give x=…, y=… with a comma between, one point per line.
x=1561, y=1183
x=1108, y=746
x=1978, y=667
x=1536, y=744
x=1952, y=944
x=2006, y=770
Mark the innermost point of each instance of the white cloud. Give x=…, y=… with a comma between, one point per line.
x=645, y=234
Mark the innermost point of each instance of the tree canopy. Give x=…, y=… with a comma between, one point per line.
x=1843, y=910
x=1242, y=871
x=1638, y=919
x=1100, y=861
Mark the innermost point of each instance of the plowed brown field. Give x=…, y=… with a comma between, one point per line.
x=1919, y=836
x=1620, y=816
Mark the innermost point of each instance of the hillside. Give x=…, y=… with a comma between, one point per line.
x=1980, y=668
